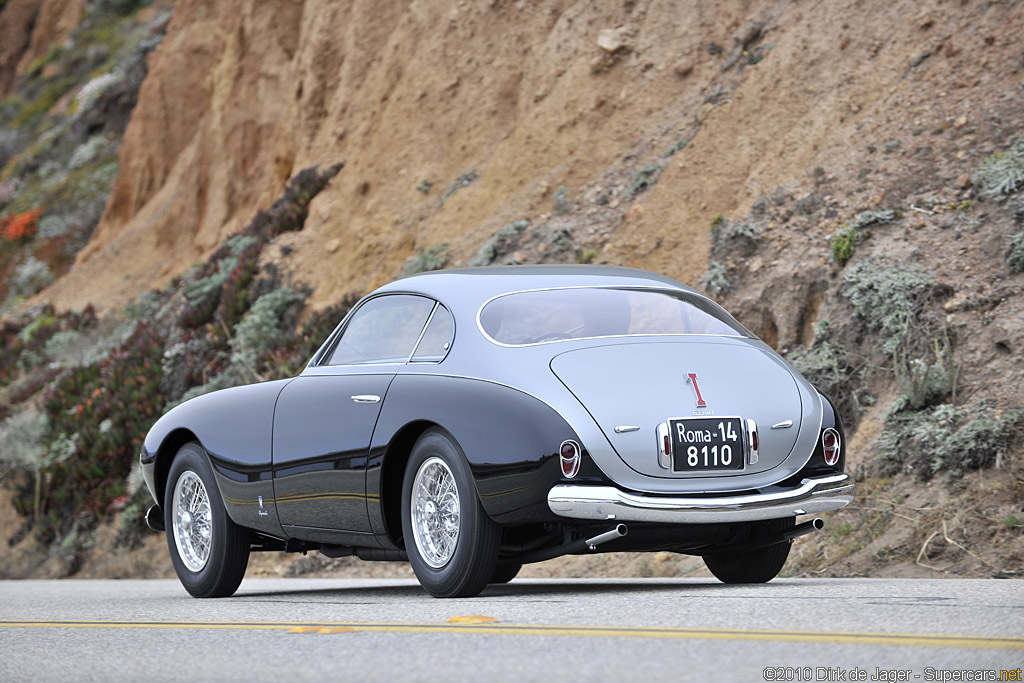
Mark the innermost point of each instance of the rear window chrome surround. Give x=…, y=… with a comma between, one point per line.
x=663, y=290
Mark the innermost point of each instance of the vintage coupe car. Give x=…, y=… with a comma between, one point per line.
x=471, y=421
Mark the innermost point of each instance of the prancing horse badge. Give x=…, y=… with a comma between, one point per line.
x=692, y=379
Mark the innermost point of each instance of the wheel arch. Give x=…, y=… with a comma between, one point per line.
x=169, y=448
x=396, y=456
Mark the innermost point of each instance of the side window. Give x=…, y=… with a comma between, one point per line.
x=383, y=330
x=437, y=339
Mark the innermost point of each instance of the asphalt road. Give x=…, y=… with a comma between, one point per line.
x=542, y=630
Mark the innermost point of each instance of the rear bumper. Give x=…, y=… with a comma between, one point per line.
x=812, y=496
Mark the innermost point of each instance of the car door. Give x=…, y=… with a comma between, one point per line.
x=324, y=420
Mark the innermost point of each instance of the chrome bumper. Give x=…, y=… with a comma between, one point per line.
x=813, y=495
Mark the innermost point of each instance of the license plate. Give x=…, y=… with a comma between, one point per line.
x=706, y=443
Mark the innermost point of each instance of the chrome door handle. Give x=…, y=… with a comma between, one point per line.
x=366, y=398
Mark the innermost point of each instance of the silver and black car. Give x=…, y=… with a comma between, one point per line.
x=471, y=421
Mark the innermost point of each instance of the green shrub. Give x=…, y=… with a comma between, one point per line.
x=1015, y=259
x=846, y=239
x=890, y=299
x=432, y=258
x=676, y=146
x=462, y=181
x=645, y=179
x=1002, y=174
x=923, y=383
x=289, y=212
x=945, y=438
x=265, y=326
x=288, y=358
x=844, y=244
x=29, y=277
x=584, y=255
x=34, y=111
x=561, y=201
x=716, y=279
x=504, y=242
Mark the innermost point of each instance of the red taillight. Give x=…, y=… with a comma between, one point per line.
x=753, y=442
x=831, y=446
x=569, y=456
x=667, y=445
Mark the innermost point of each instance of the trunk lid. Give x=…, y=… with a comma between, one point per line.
x=644, y=384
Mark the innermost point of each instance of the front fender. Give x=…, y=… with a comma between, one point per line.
x=235, y=427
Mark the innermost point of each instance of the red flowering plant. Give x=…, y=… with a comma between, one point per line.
x=20, y=227
x=105, y=408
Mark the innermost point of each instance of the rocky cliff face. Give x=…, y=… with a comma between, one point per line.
x=242, y=94
x=731, y=146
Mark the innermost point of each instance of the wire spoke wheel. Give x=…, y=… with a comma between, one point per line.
x=436, y=512
x=193, y=529
x=451, y=542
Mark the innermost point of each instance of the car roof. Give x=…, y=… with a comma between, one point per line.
x=471, y=287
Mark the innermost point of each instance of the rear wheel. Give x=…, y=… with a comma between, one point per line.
x=505, y=572
x=451, y=542
x=753, y=566
x=208, y=550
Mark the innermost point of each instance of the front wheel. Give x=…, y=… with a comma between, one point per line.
x=451, y=542
x=753, y=566
x=208, y=550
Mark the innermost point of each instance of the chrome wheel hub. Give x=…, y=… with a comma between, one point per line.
x=191, y=521
x=435, y=512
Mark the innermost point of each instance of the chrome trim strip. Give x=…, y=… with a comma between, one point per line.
x=423, y=331
x=783, y=425
x=366, y=398
x=812, y=496
x=623, y=429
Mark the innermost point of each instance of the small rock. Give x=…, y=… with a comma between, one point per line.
x=519, y=256
x=333, y=245
x=925, y=22
x=634, y=213
x=960, y=122
x=610, y=40
x=956, y=303
x=683, y=68
x=963, y=182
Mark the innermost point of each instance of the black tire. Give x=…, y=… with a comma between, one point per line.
x=228, y=553
x=464, y=571
x=753, y=566
x=505, y=572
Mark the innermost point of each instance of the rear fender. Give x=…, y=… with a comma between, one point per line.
x=511, y=441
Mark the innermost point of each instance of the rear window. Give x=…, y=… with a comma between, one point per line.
x=552, y=315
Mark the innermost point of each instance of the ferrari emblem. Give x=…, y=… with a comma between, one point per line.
x=692, y=379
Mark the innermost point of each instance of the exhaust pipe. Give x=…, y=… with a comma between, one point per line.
x=573, y=547
x=619, y=531
x=799, y=530
x=155, y=518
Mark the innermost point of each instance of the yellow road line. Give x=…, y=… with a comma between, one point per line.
x=831, y=637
